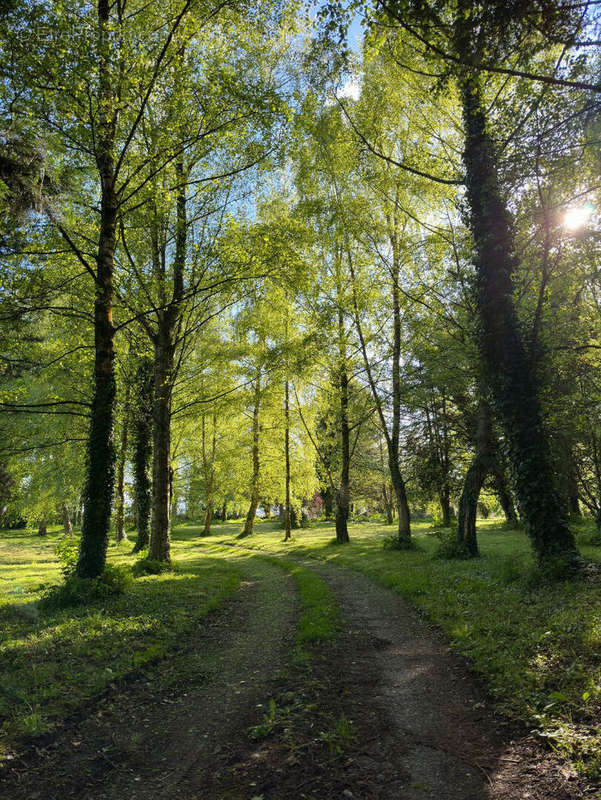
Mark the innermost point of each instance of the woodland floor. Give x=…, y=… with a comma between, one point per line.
x=383, y=711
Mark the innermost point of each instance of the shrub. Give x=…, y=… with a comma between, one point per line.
x=394, y=543
x=448, y=545
x=67, y=551
x=150, y=566
x=77, y=591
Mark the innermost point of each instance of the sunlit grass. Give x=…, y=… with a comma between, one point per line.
x=53, y=662
x=536, y=645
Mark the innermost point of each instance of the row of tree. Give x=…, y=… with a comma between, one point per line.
x=241, y=261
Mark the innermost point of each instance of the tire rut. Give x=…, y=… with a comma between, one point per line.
x=144, y=746
x=437, y=722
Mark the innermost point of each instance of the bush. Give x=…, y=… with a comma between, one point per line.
x=150, y=566
x=393, y=543
x=77, y=591
x=67, y=552
x=448, y=546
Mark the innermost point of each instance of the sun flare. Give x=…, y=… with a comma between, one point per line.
x=577, y=217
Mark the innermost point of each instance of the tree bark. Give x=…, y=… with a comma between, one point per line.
x=160, y=529
x=343, y=492
x=67, y=529
x=164, y=358
x=468, y=502
x=254, y=486
x=387, y=504
x=510, y=374
x=444, y=497
x=143, y=452
x=504, y=494
x=42, y=527
x=287, y=533
x=224, y=511
x=100, y=451
x=208, y=463
x=120, y=510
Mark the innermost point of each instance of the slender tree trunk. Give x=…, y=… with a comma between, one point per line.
x=510, y=374
x=143, y=452
x=42, y=527
x=67, y=529
x=468, y=507
x=504, y=495
x=387, y=504
x=287, y=533
x=444, y=497
x=100, y=451
x=392, y=434
x=254, y=487
x=208, y=518
x=224, y=511
x=120, y=510
x=468, y=502
x=343, y=493
x=208, y=463
x=160, y=529
x=164, y=359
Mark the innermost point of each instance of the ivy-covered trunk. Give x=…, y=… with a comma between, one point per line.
x=503, y=493
x=142, y=452
x=120, y=510
x=160, y=529
x=287, y=533
x=510, y=374
x=100, y=475
x=343, y=491
x=254, y=485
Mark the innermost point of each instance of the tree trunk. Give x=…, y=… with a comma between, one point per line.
x=100, y=451
x=444, y=497
x=42, y=528
x=208, y=464
x=468, y=507
x=387, y=504
x=504, y=495
x=160, y=529
x=511, y=376
x=287, y=533
x=254, y=487
x=343, y=493
x=208, y=517
x=224, y=511
x=143, y=452
x=67, y=529
x=120, y=510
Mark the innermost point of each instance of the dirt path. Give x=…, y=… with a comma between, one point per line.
x=440, y=730
x=386, y=712
x=139, y=745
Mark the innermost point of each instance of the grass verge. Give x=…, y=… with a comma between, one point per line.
x=55, y=661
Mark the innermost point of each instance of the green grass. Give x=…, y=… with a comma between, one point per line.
x=320, y=618
x=54, y=662
x=537, y=647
